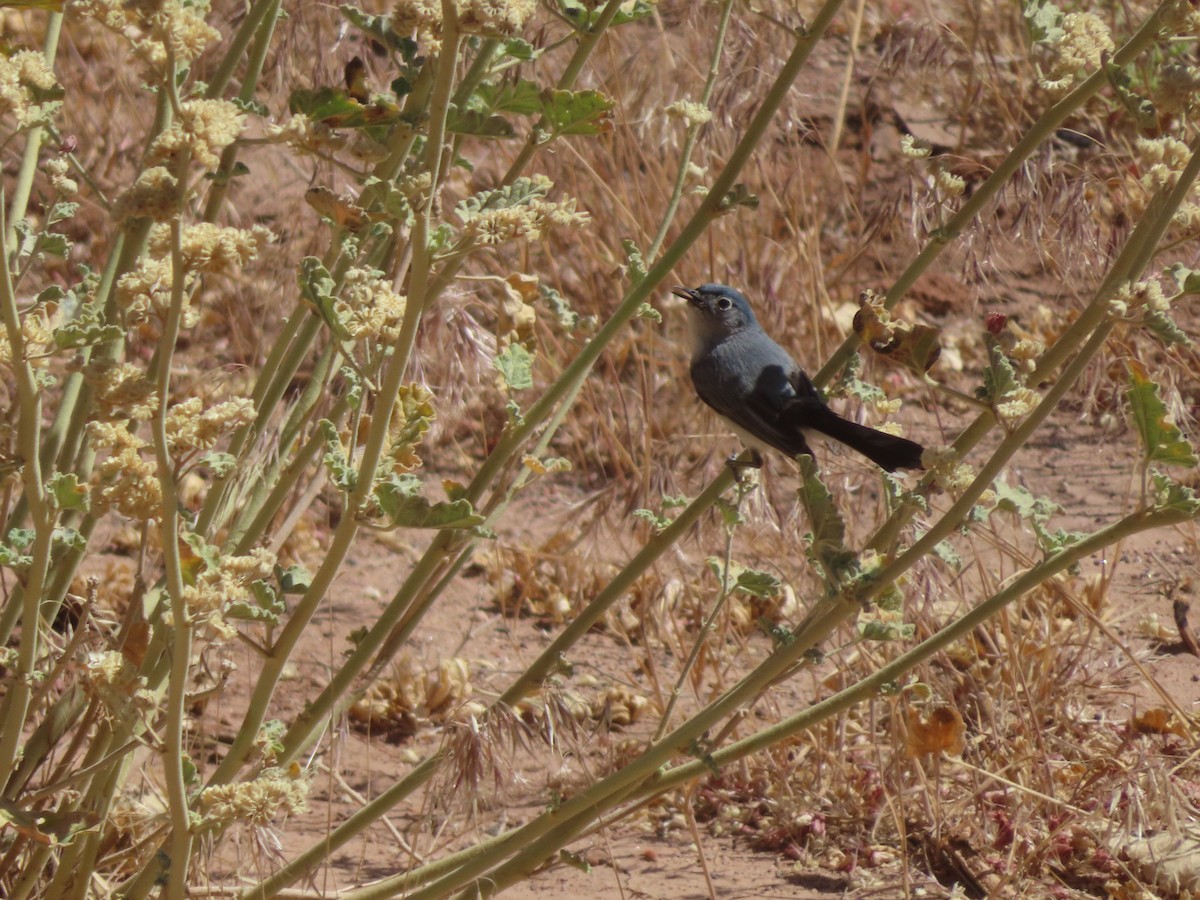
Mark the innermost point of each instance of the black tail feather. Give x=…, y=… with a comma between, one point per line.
x=885, y=450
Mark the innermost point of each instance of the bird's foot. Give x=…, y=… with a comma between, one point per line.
x=738, y=466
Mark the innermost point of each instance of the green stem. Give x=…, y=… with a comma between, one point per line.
x=702, y=638
x=588, y=820
x=236, y=46
x=1130, y=265
x=373, y=447
x=181, y=625
x=693, y=133
x=1041, y=130
x=287, y=353
x=264, y=11
x=587, y=45
x=23, y=186
x=29, y=423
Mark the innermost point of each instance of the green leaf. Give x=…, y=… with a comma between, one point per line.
x=567, y=318
x=207, y=553
x=67, y=492
x=883, y=630
x=1043, y=21
x=519, y=193
x=576, y=112
x=55, y=244
x=254, y=107
x=479, y=124
x=657, y=522
x=999, y=378
x=220, y=464
x=945, y=551
x=268, y=606
x=51, y=294
x=293, y=579
x=1165, y=329
x=1170, y=494
x=523, y=98
x=270, y=738
x=78, y=334
x=21, y=537
x=60, y=211
x=758, y=583
x=1019, y=500
x=343, y=474
x=748, y=581
x=646, y=311
x=400, y=499
x=380, y=28
x=575, y=861
x=584, y=16
x=337, y=109
x=316, y=289
x=1162, y=440
x=515, y=365
x=1139, y=107
x=635, y=263
x=1187, y=280
x=517, y=48
x=827, y=540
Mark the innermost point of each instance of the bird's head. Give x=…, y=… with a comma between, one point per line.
x=716, y=311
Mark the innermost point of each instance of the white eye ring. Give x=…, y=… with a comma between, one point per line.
x=724, y=303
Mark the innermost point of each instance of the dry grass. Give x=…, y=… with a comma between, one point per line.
x=1049, y=786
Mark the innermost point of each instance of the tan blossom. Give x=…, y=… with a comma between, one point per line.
x=368, y=306
x=274, y=793
x=190, y=427
x=205, y=127
x=155, y=195
x=124, y=481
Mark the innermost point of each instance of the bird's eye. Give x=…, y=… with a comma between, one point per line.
x=724, y=303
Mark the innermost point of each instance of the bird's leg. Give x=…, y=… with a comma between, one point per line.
x=737, y=465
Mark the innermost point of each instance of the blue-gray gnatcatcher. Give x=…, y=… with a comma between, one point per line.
x=760, y=392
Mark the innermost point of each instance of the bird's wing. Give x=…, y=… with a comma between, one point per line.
x=767, y=408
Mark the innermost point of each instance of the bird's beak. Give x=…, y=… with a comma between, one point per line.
x=692, y=297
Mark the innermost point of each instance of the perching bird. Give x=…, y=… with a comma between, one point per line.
x=760, y=392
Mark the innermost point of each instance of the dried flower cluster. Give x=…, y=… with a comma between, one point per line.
x=274, y=793
x=56, y=172
x=190, y=427
x=1161, y=161
x=691, y=112
x=122, y=391
x=228, y=582
x=155, y=195
x=203, y=127
x=529, y=218
x=23, y=76
x=412, y=696
x=152, y=26
x=1084, y=41
x=206, y=248
x=37, y=334
x=123, y=481
x=497, y=18
x=115, y=682
x=368, y=307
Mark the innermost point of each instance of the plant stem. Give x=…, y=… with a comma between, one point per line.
x=15, y=706
x=693, y=133
x=1041, y=130
x=23, y=186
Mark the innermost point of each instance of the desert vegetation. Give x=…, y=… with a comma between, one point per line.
x=363, y=536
